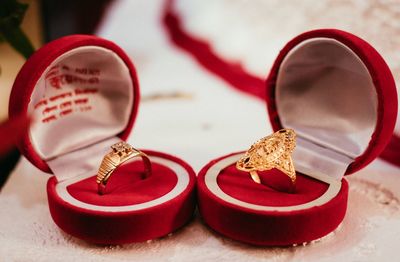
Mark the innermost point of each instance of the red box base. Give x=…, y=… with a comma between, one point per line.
x=268, y=228
x=105, y=227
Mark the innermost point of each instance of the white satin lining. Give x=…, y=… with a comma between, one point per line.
x=100, y=113
x=211, y=183
x=309, y=157
x=326, y=94
x=82, y=161
x=182, y=184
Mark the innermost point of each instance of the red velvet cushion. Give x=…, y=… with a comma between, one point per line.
x=239, y=185
x=268, y=228
x=126, y=187
x=119, y=227
x=97, y=225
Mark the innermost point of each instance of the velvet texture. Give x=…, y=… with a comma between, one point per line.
x=126, y=186
x=392, y=151
x=129, y=226
x=271, y=191
x=34, y=68
x=269, y=228
x=240, y=79
x=381, y=77
x=292, y=227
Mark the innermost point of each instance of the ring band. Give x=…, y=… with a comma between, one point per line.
x=120, y=153
x=273, y=151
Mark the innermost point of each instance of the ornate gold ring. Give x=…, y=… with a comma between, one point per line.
x=273, y=151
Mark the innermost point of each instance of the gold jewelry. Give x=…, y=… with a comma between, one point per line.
x=120, y=153
x=273, y=151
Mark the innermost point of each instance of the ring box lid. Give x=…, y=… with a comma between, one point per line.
x=81, y=91
x=338, y=94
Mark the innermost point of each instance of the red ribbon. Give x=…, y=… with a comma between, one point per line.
x=232, y=72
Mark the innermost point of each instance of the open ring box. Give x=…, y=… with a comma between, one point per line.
x=338, y=94
x=83, y=94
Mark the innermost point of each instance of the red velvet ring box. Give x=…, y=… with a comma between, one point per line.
x=338, y=94
x=83, y=94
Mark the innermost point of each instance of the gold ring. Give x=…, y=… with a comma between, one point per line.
x=120, y=153
x=273, y=151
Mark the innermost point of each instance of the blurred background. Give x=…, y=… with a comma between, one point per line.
x=241, y=34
